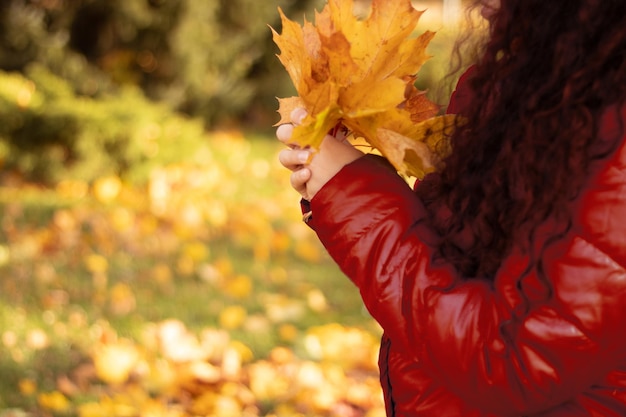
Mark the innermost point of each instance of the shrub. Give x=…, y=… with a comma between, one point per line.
x=212, y=59
x=51, y=133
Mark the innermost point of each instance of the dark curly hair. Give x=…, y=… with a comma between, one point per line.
x=545, y=74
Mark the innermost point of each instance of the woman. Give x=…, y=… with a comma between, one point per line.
x=500, y=281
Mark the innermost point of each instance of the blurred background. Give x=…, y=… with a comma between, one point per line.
x=152, y=257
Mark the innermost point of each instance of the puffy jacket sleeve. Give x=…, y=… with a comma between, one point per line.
x=464, y=331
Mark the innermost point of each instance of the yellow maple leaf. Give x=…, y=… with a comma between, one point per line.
x=54, y=401
x=115, y=361
x=232, y=317
x=361, y=74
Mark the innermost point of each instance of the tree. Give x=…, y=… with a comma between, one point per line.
x=211, y=59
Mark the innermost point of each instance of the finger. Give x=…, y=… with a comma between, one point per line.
x=284, y=132
x=293, y=159
x=299, y=179
x=297, y=115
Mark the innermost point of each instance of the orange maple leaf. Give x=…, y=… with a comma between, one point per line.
x=361, y=73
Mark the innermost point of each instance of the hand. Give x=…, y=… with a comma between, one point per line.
x=312, y=170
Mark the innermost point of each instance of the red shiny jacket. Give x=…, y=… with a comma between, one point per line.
x=459, y=347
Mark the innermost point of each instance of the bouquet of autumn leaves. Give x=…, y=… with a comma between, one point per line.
x=360, y=74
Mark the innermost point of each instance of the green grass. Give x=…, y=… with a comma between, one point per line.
x=51, y=286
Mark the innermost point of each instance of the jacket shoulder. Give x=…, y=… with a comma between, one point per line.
x=601, y=208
